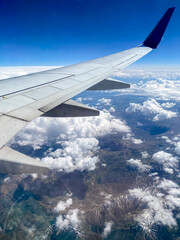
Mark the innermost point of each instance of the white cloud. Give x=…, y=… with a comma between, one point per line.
x=167, y=139
x=77, y=136
x=136, y=141
x=112, y=109
x=145, y=74
x=7, y=180
x=139, y=165
x=151, y=107
x=129, y=136
x=157, y=210
x=144, y=154
x=173, y=193
x=167, y=184
x=69, y=221
x=7, y=72
x=107, y=229
x=104, y=101
x=61, y=206
x=167, y=160
x=177, y=148
x=164, y=86
x=168, y=105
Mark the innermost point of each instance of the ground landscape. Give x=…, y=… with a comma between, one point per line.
x=115, y=176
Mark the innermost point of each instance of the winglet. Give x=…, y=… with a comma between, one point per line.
x=156, y=35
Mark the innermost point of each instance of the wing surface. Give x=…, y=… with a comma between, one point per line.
x=47, y=93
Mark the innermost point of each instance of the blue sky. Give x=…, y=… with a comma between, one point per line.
x=62, y=32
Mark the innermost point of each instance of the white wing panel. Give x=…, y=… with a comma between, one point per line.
x=9, y=104
x=42, y=92
x=68, y=83
x=17, y=84
x=26, y=113
x=83, y=77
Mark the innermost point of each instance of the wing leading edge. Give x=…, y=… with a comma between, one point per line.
x=48, y=93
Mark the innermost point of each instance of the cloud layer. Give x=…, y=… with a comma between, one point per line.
x=152, y=108
x=164, y=86
x=78, y=138
x=160, y=206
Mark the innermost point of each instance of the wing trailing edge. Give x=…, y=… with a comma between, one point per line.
x=109, y=84
x=71, y=108
x=12, y=161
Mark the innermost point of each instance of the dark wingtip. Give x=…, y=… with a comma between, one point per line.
x=156, y=35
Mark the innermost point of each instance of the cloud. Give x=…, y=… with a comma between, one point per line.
x=173, y=141
x=167, y=139
x=107, y=229
x=144, y=154
x=168, y=105
x=61, y=206
x=177, y=148
x=167, y=184
x=136, y=141
x=78, y=138
x=7, y=180
x=74, y=155
x=130, y=136
x=7, y=72
x=112, y=109
x=151, y=107
x=139, y=165
x=157, y=210
x=69, y=221
x=104, y=101
x=167, y=160
x=145, y=74
x=173, y=193
x=163, y=86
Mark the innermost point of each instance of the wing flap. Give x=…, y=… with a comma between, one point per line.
x=12, y=161
x=109, y=84
x=71, y=109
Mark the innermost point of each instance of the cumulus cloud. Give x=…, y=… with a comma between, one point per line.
x=112, y=109
x=177, y=148
x=167, y=160
x=139, y=165
x=61, y=206
x=78, y=138
x=136, y=141
x=168, y=105
x=173, y=141
x=145, y=154
x=167, y=184
x=151, y=107
x=7, y=180
x=173, y=193
x=104, y=101
x=163, y=86
x=69, y=221
x=130, y=136
x=107, y=229
x=157, y=210
x=167, y=139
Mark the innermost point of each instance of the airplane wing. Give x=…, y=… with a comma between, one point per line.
x=48, y=93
